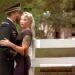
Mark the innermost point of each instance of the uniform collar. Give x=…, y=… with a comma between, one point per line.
x=10, y=19
x=11, y=23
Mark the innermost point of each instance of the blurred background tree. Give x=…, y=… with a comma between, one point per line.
x=61, y=13
x=56, y=12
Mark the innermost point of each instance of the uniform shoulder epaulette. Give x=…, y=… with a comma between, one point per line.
x=4, y=22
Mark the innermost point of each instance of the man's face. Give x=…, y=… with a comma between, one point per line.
x=18, y=16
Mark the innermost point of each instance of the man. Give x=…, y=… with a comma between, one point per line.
x=9, y=31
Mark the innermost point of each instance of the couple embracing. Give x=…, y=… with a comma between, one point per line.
x=18, y=44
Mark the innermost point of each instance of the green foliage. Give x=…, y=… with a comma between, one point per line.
x=38, y=7
x=60, y=11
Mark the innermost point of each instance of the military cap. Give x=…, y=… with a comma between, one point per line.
x=15, y=7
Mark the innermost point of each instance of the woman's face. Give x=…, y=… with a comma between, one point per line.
x=24, y=22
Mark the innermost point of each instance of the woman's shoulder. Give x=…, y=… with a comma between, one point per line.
x=27, y=32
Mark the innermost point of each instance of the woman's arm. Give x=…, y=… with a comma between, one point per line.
x=20, y=49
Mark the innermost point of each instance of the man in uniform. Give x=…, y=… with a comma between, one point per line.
x=9, y=31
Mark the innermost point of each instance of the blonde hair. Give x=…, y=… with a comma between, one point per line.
x=30, y=17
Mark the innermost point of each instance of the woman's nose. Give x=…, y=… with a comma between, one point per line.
x=21, y=21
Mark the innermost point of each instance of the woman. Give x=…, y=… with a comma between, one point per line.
x=23, y=42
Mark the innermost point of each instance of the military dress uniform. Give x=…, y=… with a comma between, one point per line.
x=7, y=30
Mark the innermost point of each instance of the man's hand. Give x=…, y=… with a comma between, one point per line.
x=5, y=42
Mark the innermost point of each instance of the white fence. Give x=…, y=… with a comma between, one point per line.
x=52, y=62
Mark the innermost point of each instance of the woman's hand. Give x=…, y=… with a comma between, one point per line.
x=5, y=42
